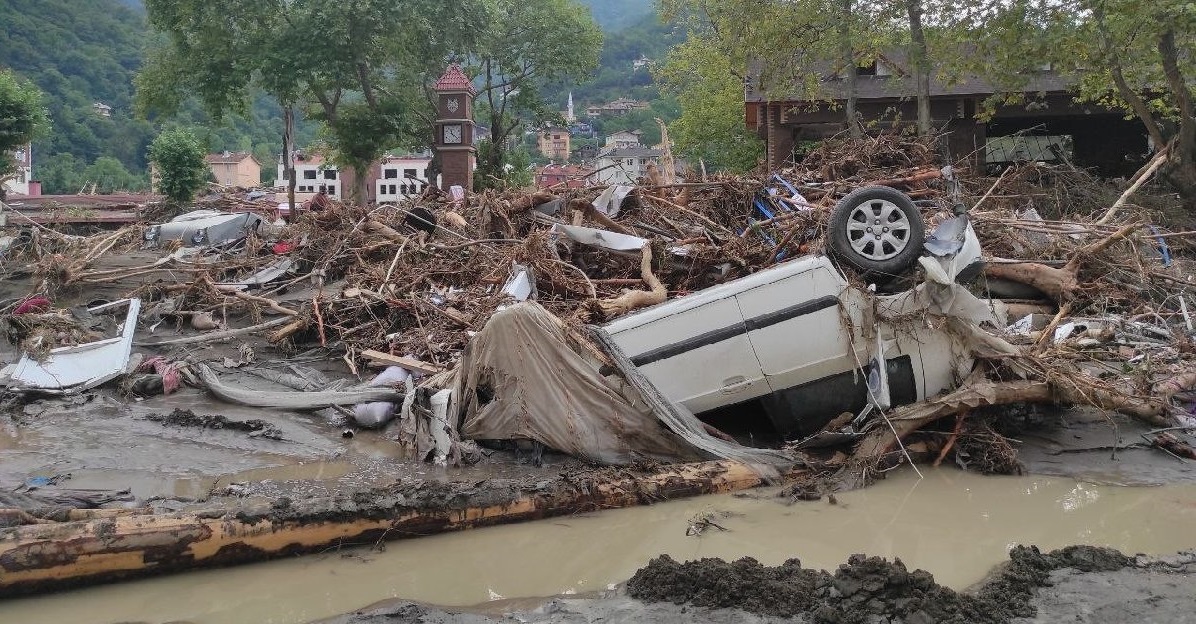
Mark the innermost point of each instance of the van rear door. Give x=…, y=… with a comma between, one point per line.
x=694, y=349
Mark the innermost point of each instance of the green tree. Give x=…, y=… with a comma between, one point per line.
x=22, y=116
x=1136, y=55
x=357, y=63
x=180, y=161
x=711, y=127
x=529, y=43
x=61, y=174
x=109, y=176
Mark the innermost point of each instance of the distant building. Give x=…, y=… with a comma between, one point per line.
x=616, y=107
x=570, y=115
x=24, y=171
x=102, y=109
x=624, y=165
x=581, y=129
x=624, y=139
x=570, y=176
x=313, y=173
x=238, y=169
x=640, y=63
x=554, y=143
x=587, y=152
x=399, y=177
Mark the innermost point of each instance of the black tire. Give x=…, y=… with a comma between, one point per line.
x=888, y=245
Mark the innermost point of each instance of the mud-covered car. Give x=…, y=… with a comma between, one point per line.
x=204, y=228
x=799, y=338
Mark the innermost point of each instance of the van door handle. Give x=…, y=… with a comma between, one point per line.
x=735, y=384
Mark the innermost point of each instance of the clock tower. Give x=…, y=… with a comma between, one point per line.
x=454, y=128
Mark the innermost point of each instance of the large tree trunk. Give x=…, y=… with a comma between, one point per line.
x=1182, y=171
x=921, y=63
x=288, y=157
x=44, y=557
x=847, y=51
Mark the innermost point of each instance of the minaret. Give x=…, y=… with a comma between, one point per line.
x=569, y=116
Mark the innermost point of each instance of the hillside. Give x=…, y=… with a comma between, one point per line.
x=79, y=53
x=614, y=15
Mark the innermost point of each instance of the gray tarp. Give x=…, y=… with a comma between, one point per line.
x=524, y=377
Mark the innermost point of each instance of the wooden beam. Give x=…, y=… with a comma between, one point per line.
x=44, y=557
x=410, y=364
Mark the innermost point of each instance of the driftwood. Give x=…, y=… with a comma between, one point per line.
x=1059, y=284
x=636, y=299
x=1140, y=178
x=979, y=393
x=44, y=557
x=215, y=336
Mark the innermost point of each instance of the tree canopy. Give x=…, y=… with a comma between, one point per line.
x=22, y=115
x=1135, y=55
x=182, y=170
x=528, y=43
x=357, y=64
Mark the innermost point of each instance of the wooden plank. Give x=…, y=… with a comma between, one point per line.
x=410, y=364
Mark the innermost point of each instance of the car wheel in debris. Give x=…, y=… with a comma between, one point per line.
x=877, y=230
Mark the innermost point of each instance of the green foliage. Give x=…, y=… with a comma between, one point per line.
x=180, y=161
x=22, y=116
x=615, y=15
x=711, y=127
x=529, y=43
x=615, y=76
x=61, y=174
x=513, y=170
x=79, y=53
x=108, y=175
x=359, y=67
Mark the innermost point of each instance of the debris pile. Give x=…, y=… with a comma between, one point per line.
x=1094, y=294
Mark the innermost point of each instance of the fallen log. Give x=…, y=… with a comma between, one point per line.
x=42, y=557
x=979, y=393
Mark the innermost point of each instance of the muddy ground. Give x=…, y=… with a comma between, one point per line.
x=1075, y=584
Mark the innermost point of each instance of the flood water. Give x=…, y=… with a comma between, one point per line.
x=954, y=524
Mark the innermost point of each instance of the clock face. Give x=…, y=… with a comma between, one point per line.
x=452, y=105
x=452, y=134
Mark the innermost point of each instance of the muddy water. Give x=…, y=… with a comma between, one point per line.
x=954, y=524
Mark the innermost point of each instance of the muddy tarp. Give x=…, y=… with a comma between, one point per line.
x=524, y=376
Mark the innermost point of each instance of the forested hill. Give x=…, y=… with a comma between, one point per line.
x=614, y=15
x=79, y=53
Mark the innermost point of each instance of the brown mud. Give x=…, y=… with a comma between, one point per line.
x=187, y=418
x=862, y=588
x=1070, y=584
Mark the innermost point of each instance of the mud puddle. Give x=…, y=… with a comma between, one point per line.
x=954, y=524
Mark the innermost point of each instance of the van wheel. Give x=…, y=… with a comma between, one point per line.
x=877, y=229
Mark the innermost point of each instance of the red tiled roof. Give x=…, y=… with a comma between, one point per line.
x=455, y=80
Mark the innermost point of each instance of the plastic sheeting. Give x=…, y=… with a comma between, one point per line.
x=519, y=378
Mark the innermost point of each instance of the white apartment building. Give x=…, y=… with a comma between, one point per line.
x=313, y=173
x=24, y=173
x=400, y=177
